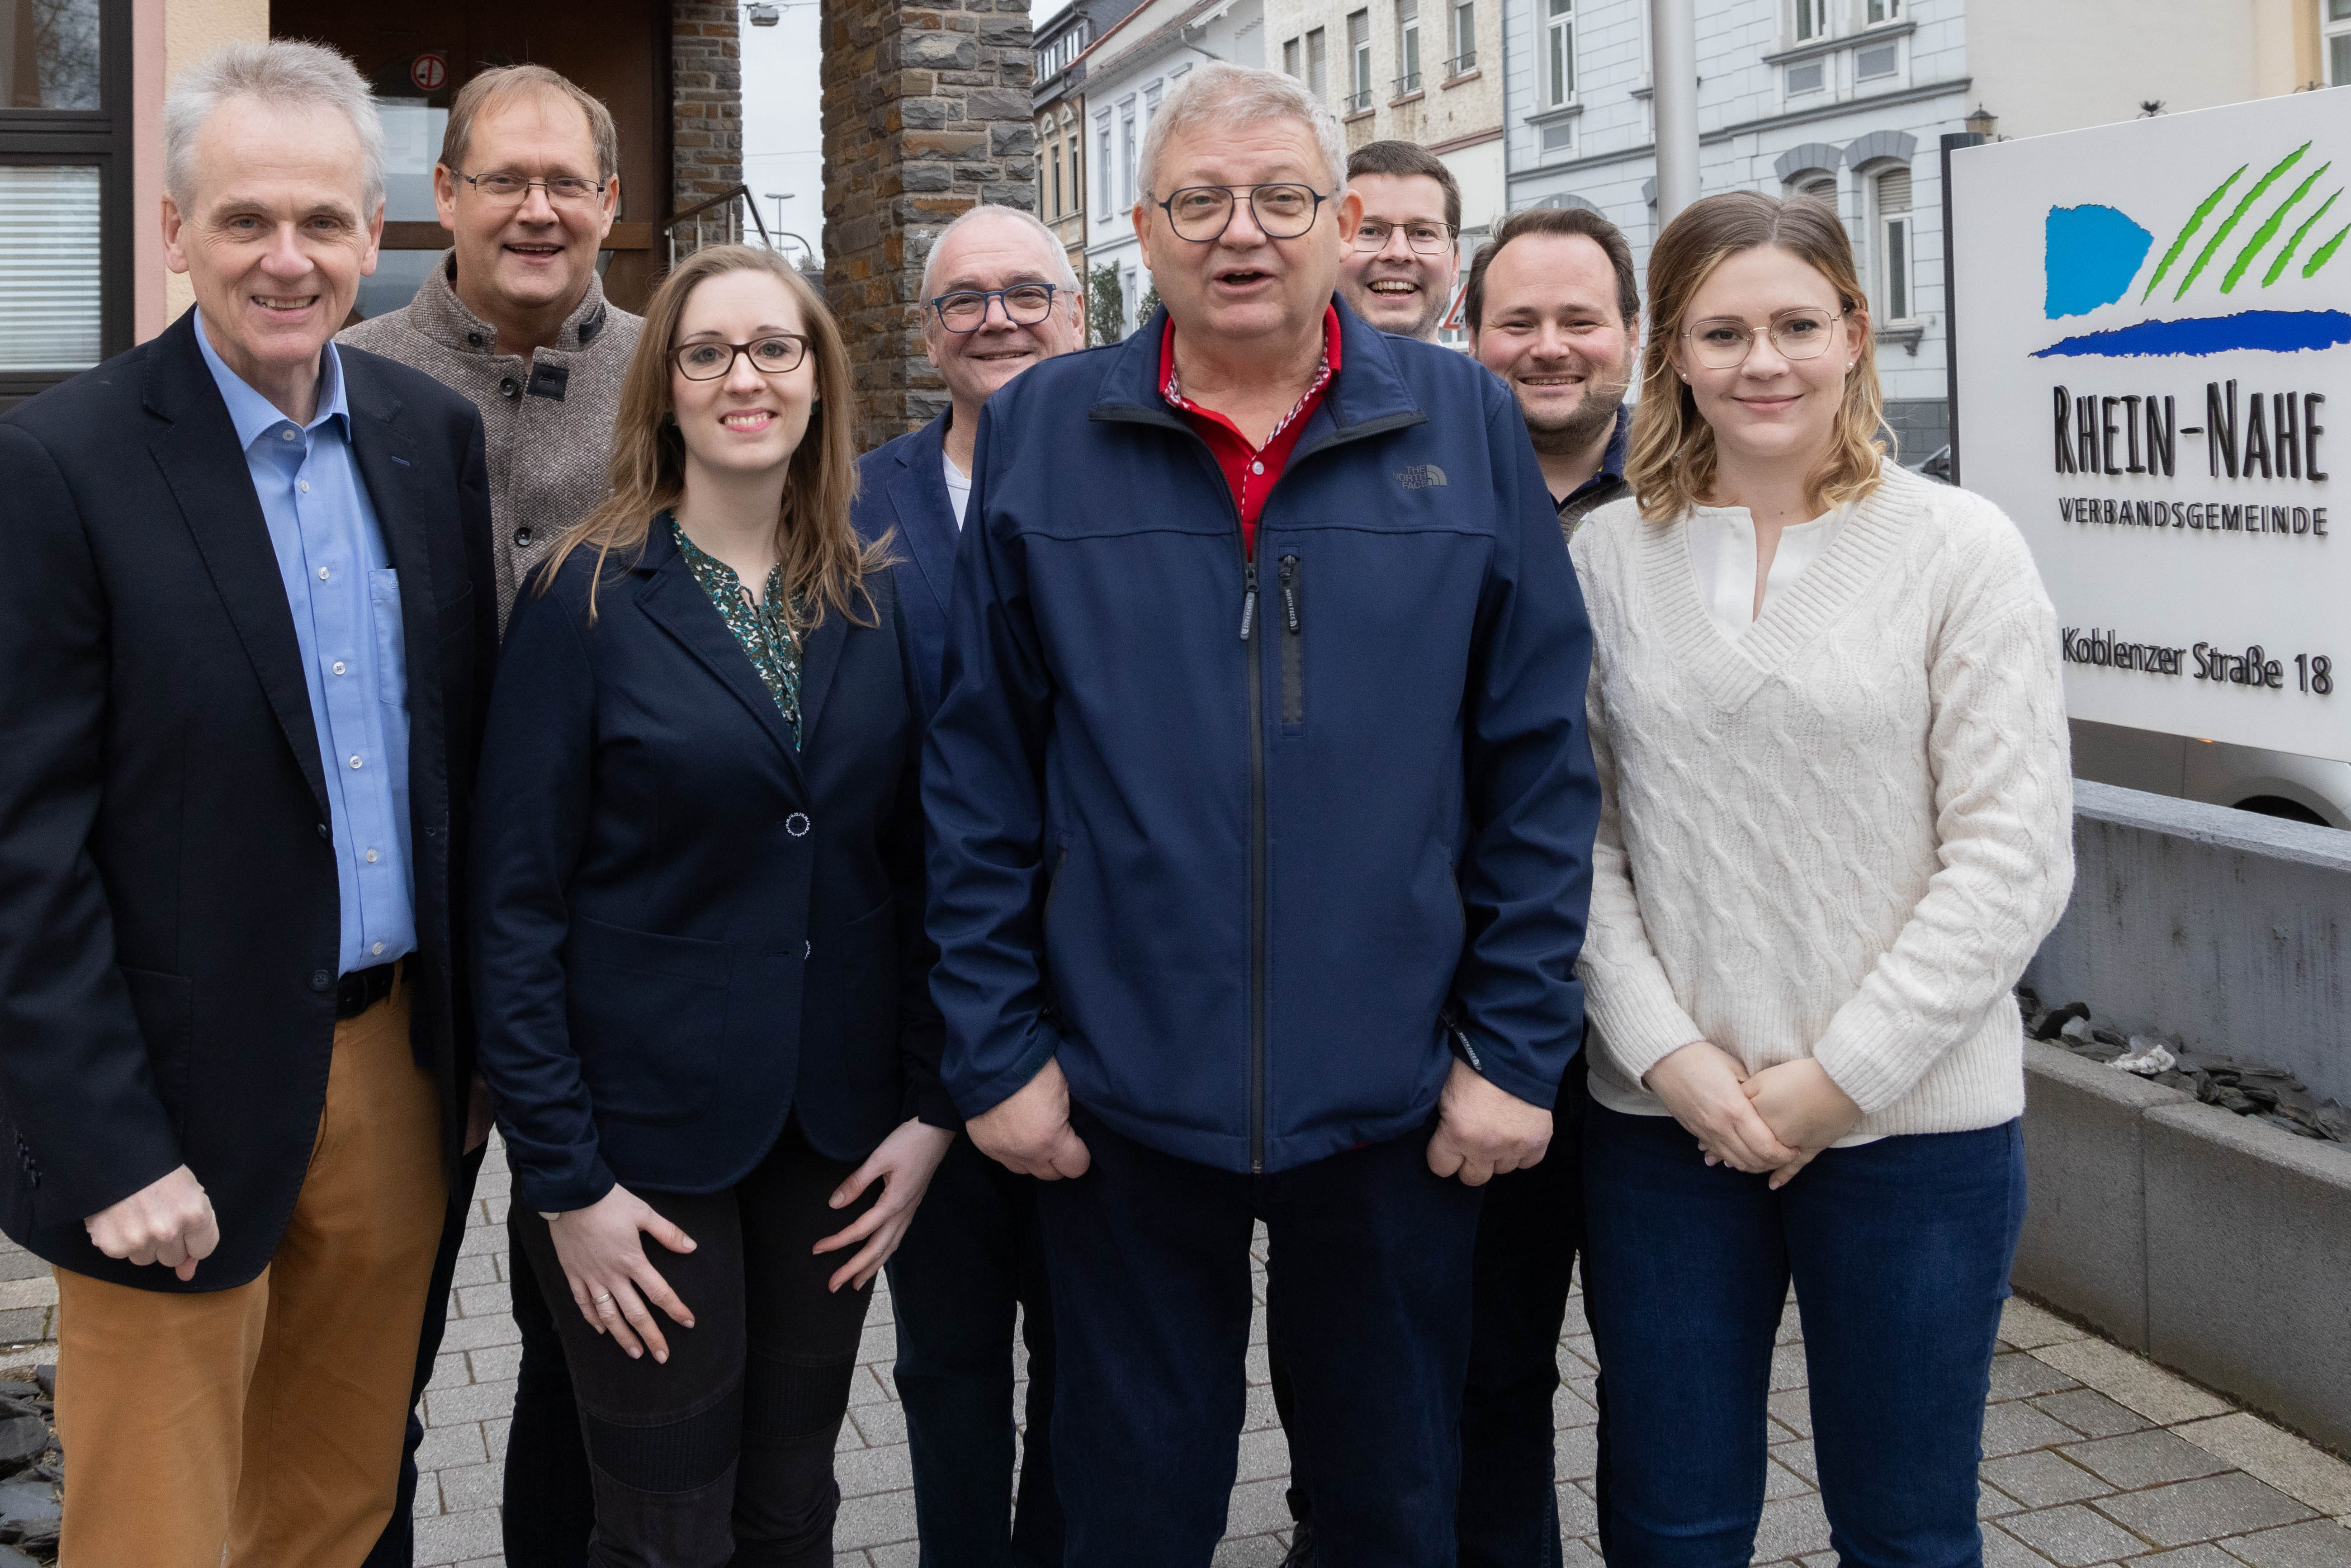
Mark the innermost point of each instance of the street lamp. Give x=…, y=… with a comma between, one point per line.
x=1983, y=122
x=764, y=16
x=779, y=198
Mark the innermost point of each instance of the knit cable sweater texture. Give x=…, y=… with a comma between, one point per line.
x=1841, y=836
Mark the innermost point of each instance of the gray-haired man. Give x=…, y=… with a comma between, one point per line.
x=998, y=297
x=251, y=569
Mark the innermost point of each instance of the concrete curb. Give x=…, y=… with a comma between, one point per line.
x=2209, y=1242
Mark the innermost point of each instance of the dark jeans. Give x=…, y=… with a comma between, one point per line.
x=1532, y=1224
x=1900, y=1253
x=972, y=1256
x=550, y=1507
x=1150, y=1264
x=724, y=1455
x=396, y=1547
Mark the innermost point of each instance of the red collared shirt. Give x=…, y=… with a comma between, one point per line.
x=1250, y=470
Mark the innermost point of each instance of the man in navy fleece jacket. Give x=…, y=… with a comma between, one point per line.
x=1262, y=810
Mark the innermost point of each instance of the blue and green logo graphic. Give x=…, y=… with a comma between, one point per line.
x=2092, y=257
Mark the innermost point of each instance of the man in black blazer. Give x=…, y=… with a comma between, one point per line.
x=997, y=297
x=250, y=628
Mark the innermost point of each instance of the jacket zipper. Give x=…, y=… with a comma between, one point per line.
x=1293, y=650
x=1257, y=868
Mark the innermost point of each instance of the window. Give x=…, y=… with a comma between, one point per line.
x=1408, y=46
x=1883, y=60
x=1884, y=11
x=1073, y=140
x=1811, y=19
x=1464, y=40
x=1559, y=53
x=1053, y=156
x=1820, y=187
x=2338, y=43
x=1359, y=61
x=1290, y=57
x=1318, y=76
x=1892, y=189
x=1150, y=105
x=1126, y=154
x=65, y=189
x=1809, y=75
x=1102, y=170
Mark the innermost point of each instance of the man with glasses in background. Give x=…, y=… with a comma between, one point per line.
x=998, y=296
x=1261, y=811
x=514, y=318
x=1400, y=272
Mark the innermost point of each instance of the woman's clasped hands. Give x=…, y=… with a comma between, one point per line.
x=1774, y=1121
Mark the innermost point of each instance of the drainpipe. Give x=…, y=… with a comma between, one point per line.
x=1672, y=30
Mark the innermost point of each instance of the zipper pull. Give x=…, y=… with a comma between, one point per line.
x=1289, y=592
x=1248, y=599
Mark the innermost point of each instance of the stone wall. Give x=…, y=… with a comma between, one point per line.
x=707, y=90
x=926, y=114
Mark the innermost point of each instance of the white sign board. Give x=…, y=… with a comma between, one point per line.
x=2152, y=322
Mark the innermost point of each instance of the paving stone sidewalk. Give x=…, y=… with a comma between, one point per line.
x=2093, y=1456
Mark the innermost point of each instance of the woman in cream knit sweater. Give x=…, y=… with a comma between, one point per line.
x=1837, y=821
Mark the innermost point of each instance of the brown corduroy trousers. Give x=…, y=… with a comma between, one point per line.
x=267, y=1419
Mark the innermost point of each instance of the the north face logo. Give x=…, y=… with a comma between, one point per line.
x=1427, y=475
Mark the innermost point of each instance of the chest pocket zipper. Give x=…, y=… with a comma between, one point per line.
x=1293, y=643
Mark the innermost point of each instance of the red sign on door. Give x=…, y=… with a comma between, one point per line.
x=430, y=71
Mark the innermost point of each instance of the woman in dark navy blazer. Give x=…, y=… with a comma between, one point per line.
x=705, y=984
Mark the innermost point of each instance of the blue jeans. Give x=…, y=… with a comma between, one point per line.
x=1900, y=1253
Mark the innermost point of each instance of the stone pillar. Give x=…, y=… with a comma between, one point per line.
x=926, y=114
x=705, y=56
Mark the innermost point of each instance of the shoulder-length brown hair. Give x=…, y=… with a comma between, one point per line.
x=1673, y=456
x=824, y=563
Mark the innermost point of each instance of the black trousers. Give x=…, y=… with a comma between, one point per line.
x=971, y=1257
x=1149, y=1256
x=724, y=1455
x=1528, y=1236
x=549, y=1508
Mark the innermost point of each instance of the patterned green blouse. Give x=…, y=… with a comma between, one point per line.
x=765, y=629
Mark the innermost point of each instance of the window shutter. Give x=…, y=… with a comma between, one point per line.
x=1893, y=192
x=49, y=302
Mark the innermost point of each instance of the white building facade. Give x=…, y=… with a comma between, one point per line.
x=1849, y=100
x=1129, y=71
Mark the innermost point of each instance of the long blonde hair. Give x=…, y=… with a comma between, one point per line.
x=1673, y=458
x=824, y=563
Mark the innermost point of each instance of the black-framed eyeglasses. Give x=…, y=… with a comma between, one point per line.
x=776, y=355
x=1428, y=239
x=512, y=190
x=966, y=309
x=1203, y=213
x=1723, y=342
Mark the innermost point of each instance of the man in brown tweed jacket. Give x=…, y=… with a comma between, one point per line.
x=514, y=318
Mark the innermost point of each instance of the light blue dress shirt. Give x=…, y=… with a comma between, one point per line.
x=345, y=596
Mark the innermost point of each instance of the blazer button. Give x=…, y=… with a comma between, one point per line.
x=321, y=981
x=325, y=833
x=796, y=824
x=507, y=388
x=522, y=536
x=474, y=339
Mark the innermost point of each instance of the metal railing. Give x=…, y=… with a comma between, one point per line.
x=1461, y=65
x=1356, y=102
x=717, y=221
x=1407, y=84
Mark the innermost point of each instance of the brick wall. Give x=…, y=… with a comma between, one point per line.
x=707, y=93
x=926, y=114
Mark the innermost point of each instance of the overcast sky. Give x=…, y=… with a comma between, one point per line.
x=781, y=139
